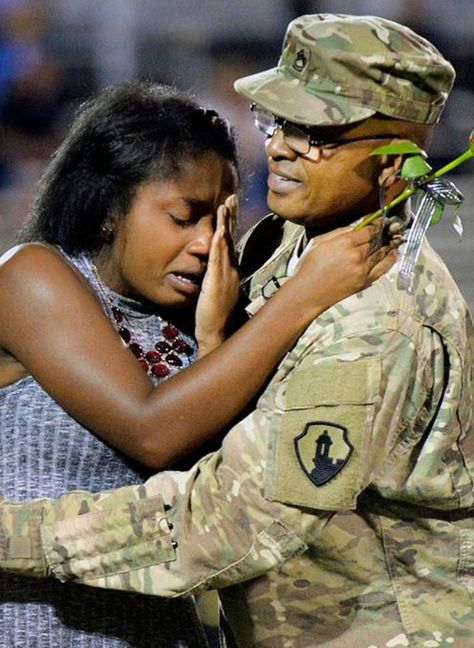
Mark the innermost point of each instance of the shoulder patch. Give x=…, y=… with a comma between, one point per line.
x=323, y=449
x=321, y=435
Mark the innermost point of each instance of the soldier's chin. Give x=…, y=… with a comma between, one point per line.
x=285, y=206
x=288, y=208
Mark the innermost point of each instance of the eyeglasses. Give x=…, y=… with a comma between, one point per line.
x=298, y=137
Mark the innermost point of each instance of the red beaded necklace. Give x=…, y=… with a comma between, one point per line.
x=171, y=349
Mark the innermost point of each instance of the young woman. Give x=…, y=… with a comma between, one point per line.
x=129, y=245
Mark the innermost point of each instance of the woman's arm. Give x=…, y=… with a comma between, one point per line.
x=52, y=323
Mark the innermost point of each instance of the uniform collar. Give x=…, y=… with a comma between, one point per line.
x=265, y=281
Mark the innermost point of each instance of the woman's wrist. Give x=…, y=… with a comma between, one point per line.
x=303, y=298
x=209, y=342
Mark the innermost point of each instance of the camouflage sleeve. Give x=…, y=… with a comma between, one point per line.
x=323, y=431
x=353, y=412
x=177, y=533
x=24, y=526
x=20, y=540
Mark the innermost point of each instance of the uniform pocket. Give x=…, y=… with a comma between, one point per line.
x=321, y=437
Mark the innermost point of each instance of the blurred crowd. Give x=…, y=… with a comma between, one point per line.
x=54, y=53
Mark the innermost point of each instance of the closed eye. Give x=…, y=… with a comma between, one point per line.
x=182, y=222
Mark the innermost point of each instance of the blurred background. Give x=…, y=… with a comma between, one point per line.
x=54, y=53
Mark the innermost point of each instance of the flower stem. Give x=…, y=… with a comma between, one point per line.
x=406, y=193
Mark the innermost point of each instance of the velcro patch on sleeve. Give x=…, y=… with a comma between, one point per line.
x=20, y=548
x=320, y=441
x=110, y=541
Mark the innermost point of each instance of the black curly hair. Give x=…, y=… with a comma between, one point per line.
x=127, y=134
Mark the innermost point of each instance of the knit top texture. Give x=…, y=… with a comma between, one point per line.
x=45, y=452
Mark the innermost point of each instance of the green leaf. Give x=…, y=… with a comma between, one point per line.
x=415, y=167
x=396, y=148
x=471, y=141
x=437, y=213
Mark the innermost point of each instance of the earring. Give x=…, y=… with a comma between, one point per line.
x=106, y=234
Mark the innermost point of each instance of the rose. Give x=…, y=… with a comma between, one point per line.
x=415, y=170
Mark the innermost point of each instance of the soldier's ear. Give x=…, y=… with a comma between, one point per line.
x=391, y=165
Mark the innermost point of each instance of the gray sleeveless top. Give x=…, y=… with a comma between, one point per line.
x=43, y=453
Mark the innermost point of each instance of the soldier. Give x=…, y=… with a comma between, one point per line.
x=339, y=512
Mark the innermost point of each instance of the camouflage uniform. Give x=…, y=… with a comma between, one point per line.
x=369, y=544
x=336, y=69
x=338, y=513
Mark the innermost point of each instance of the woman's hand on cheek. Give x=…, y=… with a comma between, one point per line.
x=220, y=286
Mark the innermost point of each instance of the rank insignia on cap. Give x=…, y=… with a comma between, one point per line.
x=323, y=449
x=301, y=60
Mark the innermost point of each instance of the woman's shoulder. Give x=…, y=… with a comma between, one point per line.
x=25, y=255
x=36, y=258
x=34, y=267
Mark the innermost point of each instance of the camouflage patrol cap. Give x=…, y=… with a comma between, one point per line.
x=339, y=69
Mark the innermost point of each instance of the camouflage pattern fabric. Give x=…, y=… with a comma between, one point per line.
x=338, y=69
x=338, y=513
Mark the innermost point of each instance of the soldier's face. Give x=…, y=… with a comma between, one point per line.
x=330, y=186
